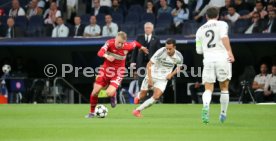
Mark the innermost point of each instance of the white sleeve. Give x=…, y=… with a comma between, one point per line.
x=54, y=33
x=104, y=33
x=199, y=48
x=98, y=29
x=267, y=84
x=157, y=55
x=114, y=30
x=223, y=30
x=66, y=31
x=21, y=12
x=86, y=30
x=58, y=14
x=179, y=63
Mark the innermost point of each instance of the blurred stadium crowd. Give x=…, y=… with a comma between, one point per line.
x=90, y=18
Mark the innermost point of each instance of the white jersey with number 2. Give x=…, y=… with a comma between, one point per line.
x=209, y=41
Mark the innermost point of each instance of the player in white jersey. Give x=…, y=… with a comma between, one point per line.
x=213, y=42
x=159, y=71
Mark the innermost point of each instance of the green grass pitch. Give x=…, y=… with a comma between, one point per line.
x=161, y=122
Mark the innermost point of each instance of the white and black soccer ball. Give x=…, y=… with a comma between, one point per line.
x=6, y=68
x=101, y=111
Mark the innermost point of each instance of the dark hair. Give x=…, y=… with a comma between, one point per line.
x=171, y=41
x=212, y=12
x=184, y=6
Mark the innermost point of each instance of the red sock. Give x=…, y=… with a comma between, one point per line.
x=93, y=103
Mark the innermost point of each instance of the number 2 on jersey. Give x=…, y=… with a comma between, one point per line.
x=212, y=34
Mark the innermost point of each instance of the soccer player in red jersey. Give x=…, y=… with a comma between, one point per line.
x=111, y=73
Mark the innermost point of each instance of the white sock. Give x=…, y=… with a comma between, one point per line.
x=146, y=104
x=206, y=98
x=224, y=100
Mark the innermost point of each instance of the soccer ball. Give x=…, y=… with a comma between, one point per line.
x=6, y=68
x=101, y=111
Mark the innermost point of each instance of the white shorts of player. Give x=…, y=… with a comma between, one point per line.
x=216, y=70
x=157, y=83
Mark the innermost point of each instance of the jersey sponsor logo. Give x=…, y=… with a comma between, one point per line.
x=116, y=56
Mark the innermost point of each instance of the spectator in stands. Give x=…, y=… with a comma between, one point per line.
x=99, y=9
x=16, y=10
x=93, y=29
x=180, y=13
x=152, y=43
x=110, y=29
x=212, y=3
x=117, y=8
x=258, y=8
x=134, y=88
x=150, y=7
x=224, y=10
x=164, y=8
x=71, y=10
x=78, y=29
x=60, y=30
x=11, y=30
x=271, y=24
x=257, y=25
x=232, y=15
x=33, y=9
x=240, y=5
x=270, y=7
x=50, y=17
x=270, y=85
x=259, y=83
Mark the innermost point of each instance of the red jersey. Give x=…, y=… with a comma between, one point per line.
x=119, y=54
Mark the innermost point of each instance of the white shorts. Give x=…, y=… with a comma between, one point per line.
x=157, y=83
x=216, y=70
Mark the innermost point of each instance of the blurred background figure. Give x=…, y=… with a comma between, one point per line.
x=78, y=28
x=16, y=9
x=92, y=30
x=110, y=28
x=60, y=30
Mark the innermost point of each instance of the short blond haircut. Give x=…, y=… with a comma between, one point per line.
x=122, y=34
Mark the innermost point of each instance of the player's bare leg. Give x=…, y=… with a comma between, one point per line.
x=156, y=95
x=206, y=98
x=111, y=92
x=224, y=99
x=142, y=94
x=94, y=99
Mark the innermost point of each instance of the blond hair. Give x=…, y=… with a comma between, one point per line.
x=122, y=34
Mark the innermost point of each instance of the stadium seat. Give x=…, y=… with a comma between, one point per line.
x=140, y=28
x=240, y=26
x=190, y=27
x=132, y=18
x=148, y=17
x=21, y=21
x=117, y=18
x=138, y=9
x=85, y=19
x=35, y=27
x=244, y=12
x=100, y=19
x=163, y=24
x=129, y=29
x=4, y=20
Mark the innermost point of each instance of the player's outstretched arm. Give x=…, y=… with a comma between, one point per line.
x=102, y=53
x=226, y=43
